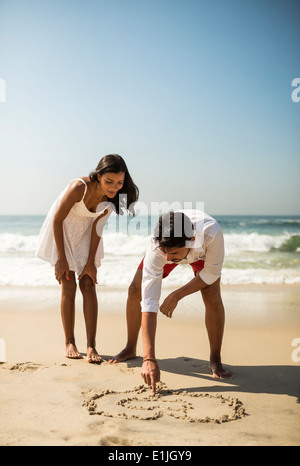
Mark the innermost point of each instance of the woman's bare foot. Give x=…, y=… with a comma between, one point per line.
x=217, y=370
x=127, y=353
x=72, y=352
x=92, y=356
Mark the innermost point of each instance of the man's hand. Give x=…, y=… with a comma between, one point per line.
x=151, y=373
x=168, y=306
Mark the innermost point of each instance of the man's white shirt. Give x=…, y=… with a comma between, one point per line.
x=207, y=246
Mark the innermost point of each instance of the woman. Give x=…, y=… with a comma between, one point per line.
x=70, y=240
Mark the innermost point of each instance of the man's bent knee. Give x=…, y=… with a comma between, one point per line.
x=212, y=293
x=134, y=290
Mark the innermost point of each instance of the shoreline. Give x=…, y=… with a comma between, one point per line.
x=244, y=304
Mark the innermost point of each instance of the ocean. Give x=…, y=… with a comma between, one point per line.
x=259, y=249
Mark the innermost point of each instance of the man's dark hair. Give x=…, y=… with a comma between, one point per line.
x=173, y=230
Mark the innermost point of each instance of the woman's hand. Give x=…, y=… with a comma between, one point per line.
x=151, y=373
x=91, y=270
x=61, y=268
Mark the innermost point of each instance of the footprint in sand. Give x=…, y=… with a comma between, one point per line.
x=26, y=366
x=22, y=366
x=111, y=440
x=181, y=405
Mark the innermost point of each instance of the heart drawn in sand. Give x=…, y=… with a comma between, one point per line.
x=181, y=405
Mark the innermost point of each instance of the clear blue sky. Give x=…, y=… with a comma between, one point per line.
x=194, y=94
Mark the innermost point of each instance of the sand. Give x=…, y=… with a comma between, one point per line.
x=46, y=399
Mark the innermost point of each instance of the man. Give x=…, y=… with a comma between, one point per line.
x=185, y=237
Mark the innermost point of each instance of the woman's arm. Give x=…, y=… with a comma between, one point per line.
x=74, y=194
x=90, y=268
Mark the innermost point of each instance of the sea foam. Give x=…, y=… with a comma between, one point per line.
x=251, y=258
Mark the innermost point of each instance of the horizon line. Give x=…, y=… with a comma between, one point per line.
x=211, y=214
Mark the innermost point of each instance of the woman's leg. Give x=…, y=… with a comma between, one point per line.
x=90, y=310
x=67, y=305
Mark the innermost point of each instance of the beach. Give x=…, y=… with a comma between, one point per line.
x=47, y=399
x=136, y=109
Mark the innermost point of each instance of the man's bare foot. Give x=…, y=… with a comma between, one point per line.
x=217, y=370
x=127, y=353
x=93, y=357
x=72, y=352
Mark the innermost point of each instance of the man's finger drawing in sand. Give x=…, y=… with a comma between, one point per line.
x=180, y=237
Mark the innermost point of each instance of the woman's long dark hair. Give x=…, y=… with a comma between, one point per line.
x=129, y=193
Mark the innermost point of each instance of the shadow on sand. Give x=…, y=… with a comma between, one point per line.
x=276, y=380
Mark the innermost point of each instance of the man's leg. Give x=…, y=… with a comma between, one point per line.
x=215, y=322
x=133, y=317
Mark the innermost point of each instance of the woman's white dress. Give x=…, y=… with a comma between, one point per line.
x=77, y=230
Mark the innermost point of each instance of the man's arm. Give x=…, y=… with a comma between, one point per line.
x=152, y=280
x=149, y=324
x=170, y=303
x=211, y=272
x=151, y=290
x=150, y=370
